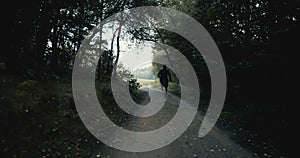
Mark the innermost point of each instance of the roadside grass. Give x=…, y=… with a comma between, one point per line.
x=155, y=84
x=39, y=119
x=146, y=82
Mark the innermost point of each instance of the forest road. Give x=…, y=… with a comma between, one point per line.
x=216, y=144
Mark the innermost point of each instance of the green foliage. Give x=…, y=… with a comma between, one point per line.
x=29, y=93
x=50, y=33
x=48, y=126
x=133, y=84
x=2, y=66
x=144, y=73
x=127, y=76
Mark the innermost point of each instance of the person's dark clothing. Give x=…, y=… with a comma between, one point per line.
x=164, y=76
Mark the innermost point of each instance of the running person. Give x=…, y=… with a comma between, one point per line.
x=164, y=76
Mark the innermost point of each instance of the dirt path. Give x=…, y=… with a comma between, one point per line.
x=216, y=144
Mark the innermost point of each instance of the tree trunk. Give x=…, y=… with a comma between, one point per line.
x=54, y=49
x=42, y=31
x=99, y=66
x=110, y=54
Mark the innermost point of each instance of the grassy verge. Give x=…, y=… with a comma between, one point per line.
x=39, y=119
x=173, y=87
